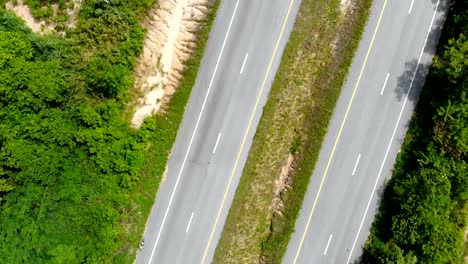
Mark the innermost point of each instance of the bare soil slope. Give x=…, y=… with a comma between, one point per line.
x=41, y=26
x=171, y=26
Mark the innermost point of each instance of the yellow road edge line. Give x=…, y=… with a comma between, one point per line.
x=339, y=132
x=248, y=129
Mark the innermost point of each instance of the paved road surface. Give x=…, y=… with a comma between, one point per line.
x=242, y=56
x=366, y=132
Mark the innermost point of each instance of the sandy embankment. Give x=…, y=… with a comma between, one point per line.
x=41, y=27
x=24, y=12
x=171, y=27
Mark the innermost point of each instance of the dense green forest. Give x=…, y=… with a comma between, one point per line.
x=76, y=182
x=424, y=209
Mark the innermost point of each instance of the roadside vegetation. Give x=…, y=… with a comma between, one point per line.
x=76, y=182
x=287, y=142
x=424, y=212
x=49, y=10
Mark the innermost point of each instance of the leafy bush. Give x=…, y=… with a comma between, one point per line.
x=107, y=79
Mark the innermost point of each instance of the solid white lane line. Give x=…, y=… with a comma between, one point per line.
x=194, y=132
x=189, y=222
x=357, y=162
x=328, y=244
x=216, y=145
x=411, y=7
x=391, y=139
x=385, y=84
x=243, y=63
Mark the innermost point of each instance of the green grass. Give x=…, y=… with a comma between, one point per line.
x=465, y=246
x=294, y=122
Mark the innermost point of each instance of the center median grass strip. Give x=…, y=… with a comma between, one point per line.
x=294, y=122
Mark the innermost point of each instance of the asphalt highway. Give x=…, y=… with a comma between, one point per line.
x=366, y=132
x=240, y=61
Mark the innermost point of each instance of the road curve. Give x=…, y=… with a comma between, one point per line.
x=241, y=58
x=367, y=129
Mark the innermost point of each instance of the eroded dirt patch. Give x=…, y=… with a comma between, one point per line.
x=170, y=39
x=346, y=6
x=23, y=11
x=282, y=184
x=42, y=26
x=73, y=13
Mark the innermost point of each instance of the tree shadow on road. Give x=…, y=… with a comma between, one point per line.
x=410, y=82
x=413, y=78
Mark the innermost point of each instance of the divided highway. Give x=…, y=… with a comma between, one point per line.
x=242, y=55
x=367, y=130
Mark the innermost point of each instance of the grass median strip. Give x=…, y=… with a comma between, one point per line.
x=294, y=122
